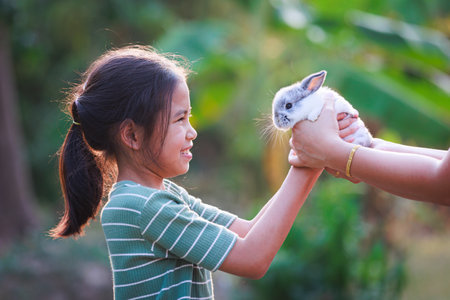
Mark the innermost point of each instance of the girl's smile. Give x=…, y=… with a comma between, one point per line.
x=176, y=150
x=186, y=153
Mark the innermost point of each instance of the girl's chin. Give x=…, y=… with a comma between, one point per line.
x=180, y=172
x=186, y=169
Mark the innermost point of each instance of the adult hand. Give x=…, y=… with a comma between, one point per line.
x=380, y=144
x=345, y=130
x=312, y=140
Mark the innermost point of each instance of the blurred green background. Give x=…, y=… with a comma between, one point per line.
x=390, y=58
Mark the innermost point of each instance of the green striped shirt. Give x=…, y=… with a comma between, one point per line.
x=163, y=243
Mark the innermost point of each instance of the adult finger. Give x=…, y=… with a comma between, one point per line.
x=341, y=116
x=329, y=101
x=346, y=122
x=328, y=109
x=349, y=139
x=343, y=133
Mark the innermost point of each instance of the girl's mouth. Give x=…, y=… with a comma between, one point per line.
x=186, y=152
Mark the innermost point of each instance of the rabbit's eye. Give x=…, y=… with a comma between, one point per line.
x=288, y=105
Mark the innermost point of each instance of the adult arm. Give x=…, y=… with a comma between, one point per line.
x=252, y=254
x=409, y=175
x=410, y=172
x=394, y=147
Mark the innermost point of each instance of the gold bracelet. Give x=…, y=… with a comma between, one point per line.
x=350, y=158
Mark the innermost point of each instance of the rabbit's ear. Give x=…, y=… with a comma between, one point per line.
x=314, y=81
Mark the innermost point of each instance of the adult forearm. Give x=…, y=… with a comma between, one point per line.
x=412, y=176
x=394, y=147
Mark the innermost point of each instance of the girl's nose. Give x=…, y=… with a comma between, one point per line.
x=191, y=134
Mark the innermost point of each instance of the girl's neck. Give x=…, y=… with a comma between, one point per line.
x=142, y=177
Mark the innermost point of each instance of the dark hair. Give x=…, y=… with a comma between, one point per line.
x=132, y=83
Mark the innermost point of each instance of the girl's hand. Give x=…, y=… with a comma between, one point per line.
x=339, y=174
x=294, y=160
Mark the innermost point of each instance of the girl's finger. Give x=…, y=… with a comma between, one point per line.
x=339, y=174
x=333, y=172
x=354, y=180
x=294, y=160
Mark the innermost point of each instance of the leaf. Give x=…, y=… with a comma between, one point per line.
x=196, y=40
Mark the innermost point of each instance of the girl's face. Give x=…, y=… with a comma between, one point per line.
x=175, y=153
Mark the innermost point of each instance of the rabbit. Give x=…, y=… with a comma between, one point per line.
x=304, y=101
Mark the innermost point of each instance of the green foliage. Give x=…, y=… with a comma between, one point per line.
x=239, y=62
x=41, y=268
x=389, y=58
x=330, y=253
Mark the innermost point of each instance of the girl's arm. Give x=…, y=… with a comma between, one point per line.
x=419, y=175
x=242, y=226
x=252, y=255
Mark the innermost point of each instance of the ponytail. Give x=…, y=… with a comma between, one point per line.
x=81, y=182
x=133, y=83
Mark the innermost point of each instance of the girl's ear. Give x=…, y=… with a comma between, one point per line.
x=314, y=81
x=131, y=135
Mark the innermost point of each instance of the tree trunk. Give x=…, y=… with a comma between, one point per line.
x=16, y=200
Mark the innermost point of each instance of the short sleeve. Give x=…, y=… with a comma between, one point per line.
x=211, y=213
x=170, y=223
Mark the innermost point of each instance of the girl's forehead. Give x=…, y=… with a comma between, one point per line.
x=180, y=98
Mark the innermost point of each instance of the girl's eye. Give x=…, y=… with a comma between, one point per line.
x=185, y=117
x=288, y=105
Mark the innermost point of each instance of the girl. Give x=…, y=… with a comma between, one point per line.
x=131, y=113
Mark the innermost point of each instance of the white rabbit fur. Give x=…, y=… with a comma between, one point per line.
x=307, y=99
